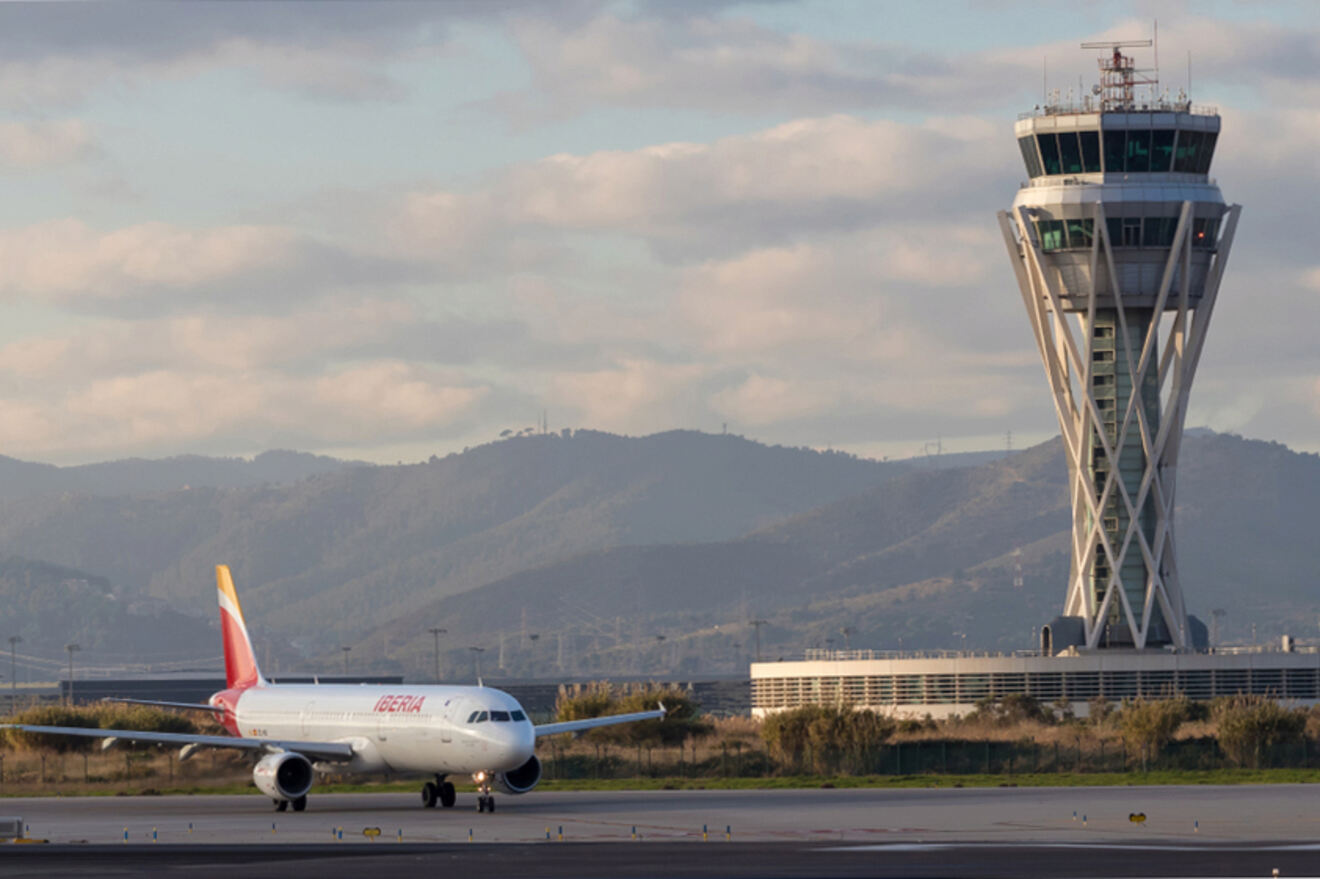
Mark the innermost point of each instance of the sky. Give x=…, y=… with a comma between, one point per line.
x=390, y=230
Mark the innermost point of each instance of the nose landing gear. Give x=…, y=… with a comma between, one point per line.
x=485, y=802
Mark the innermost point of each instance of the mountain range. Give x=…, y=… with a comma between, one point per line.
x=585, y=553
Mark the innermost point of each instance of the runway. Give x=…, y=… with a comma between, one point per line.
x=985, y=832
x=1077, y=814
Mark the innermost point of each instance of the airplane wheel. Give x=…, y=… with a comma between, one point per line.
x=429, y=794
x=490, y=804
x=281, y=805
x=481, y=803
x=447, y=795
x=300, y=804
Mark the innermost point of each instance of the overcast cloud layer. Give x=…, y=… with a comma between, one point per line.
x=386, y=230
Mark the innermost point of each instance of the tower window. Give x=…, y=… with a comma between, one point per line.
x=1159, y=231
x=1029, y=156
x=1051, y=234
x=1161, y=150
x=1115, y=148
x=1080, y=233
x=1090, y=150
x=1207, y=150
x=1185, y=153
x=1131, y=231
x=1070, y=153
x=1049, y=152
x=1138, y=152
x=1205, y=232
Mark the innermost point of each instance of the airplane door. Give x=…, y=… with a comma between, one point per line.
x=447, y=722
x=308, y=719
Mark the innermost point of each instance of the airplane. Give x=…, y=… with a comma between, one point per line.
x=298, y=729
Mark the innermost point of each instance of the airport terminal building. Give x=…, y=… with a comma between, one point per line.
x=941, y=685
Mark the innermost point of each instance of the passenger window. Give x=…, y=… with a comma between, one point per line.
x=1184, y=155
x=500, y=716
x=482, y=717
x=1138, y=152
x=1206, y=152
x=1070, y=154
x=473, y=716
x=1115, y=149
x=1049, y=153
x=1028, y=146
x=518, y=716
x=1161, y=150
x=1090, y=151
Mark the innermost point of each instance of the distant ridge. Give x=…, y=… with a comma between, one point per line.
x=138, y=476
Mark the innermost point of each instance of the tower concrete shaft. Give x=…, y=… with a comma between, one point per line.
x=1119, y=243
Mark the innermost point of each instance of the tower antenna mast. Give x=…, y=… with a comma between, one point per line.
x=1119, y=75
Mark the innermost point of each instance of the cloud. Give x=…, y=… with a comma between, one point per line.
x=694, y=58
x=168, y=409
x=28, y=145
x=70, y=263
x=693, y=201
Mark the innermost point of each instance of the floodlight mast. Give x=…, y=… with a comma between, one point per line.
x=1119, y=243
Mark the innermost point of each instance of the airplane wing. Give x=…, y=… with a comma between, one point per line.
x=195, y=706
x=325, y=751
x=550, y=729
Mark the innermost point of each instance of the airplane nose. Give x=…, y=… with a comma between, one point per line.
x=515, y=744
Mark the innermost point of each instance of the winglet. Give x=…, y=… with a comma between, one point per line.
x=241, y=669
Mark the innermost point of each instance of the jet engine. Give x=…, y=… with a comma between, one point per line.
x=520, y=780
x=287, y=776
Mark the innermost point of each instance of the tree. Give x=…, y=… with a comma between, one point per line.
x=1149, y=725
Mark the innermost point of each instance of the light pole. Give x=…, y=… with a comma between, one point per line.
x=476, y=654
x=346, y=651
x=437, y=632
x=14, y=640
x=757, y=624
x=72, y=648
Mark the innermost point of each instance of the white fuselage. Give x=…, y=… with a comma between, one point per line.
x=430, y=729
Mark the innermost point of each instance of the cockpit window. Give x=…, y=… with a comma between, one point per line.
x=501, y=716
x=473, y=716
x=518, y=716
x=483, y=717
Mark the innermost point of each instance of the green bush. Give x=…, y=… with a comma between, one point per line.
x=1249, y=725
x=1148, y=725
x=823, y=738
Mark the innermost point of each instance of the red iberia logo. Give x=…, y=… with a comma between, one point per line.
x=399, y=704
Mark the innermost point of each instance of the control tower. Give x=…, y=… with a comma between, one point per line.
x=1119, y=241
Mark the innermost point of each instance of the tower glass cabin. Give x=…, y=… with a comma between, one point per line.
x=1119, y=240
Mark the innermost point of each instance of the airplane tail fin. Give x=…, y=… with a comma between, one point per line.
x=241, y=669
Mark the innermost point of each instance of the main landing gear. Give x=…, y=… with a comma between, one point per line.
x=439, y=791
x=299, y=805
